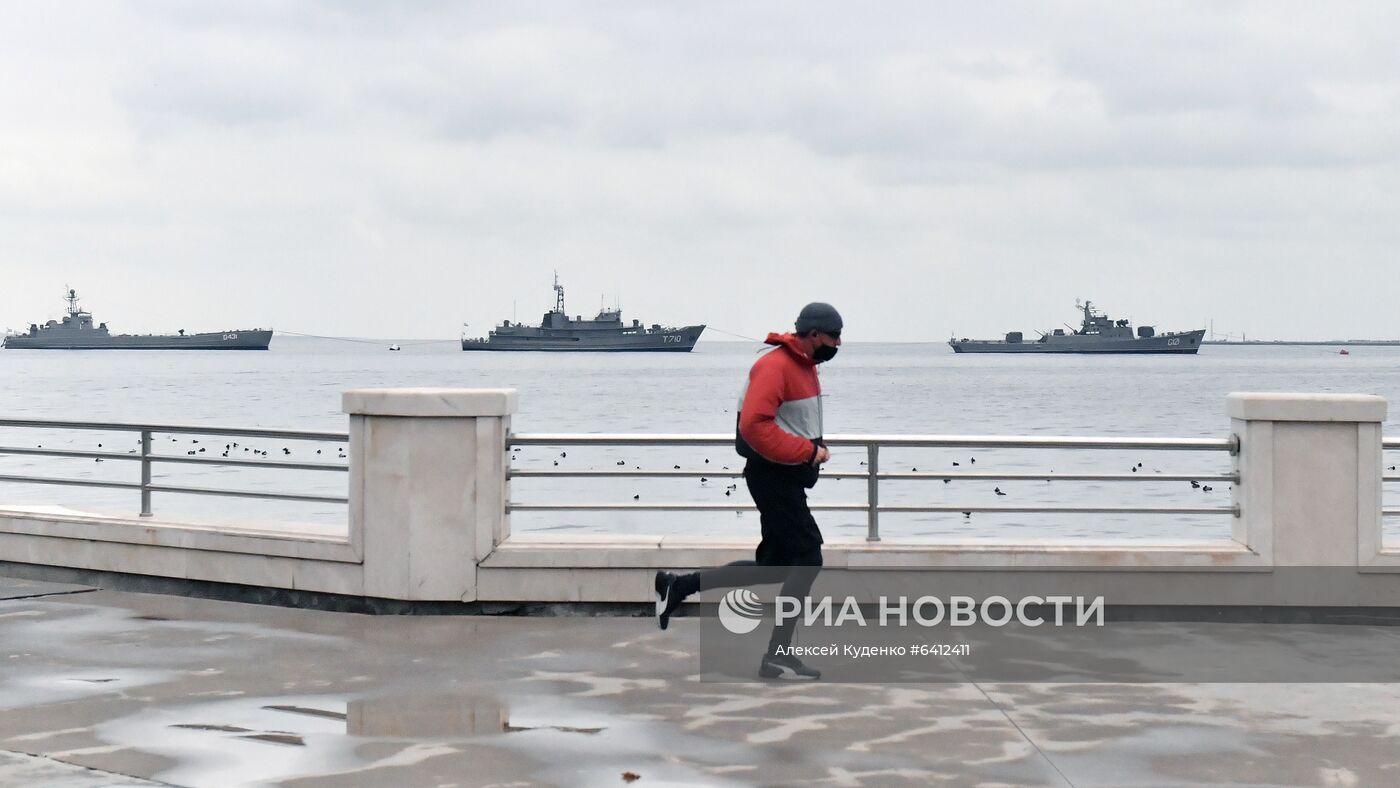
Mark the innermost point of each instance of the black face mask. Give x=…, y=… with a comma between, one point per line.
x=824, y=353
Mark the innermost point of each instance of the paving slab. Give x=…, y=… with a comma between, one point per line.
x=30, y=770
x=204, y=693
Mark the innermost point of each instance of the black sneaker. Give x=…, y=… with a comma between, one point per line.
x=667, y=600
x=787, y=668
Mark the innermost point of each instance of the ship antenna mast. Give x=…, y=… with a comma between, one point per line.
x=72, y=299
x=558, y=295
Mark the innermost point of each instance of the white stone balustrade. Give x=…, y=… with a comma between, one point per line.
x=428, y=522
x=427, y=487
x=1310, y=477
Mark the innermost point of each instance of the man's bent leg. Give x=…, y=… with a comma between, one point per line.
x=737, y=574
x=790, y=537
x=672, y=589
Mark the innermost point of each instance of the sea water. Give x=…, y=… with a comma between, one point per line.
x=870, y=388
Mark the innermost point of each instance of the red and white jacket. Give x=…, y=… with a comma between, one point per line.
x=780, y=408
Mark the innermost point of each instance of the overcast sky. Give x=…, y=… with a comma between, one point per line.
x=396, y=169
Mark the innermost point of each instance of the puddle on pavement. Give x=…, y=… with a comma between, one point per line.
x=272, y=739
x=240, y=741
x=22, y=690
x=253, y=741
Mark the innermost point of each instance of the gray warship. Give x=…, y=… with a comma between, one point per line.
x=76, y=332
x=1097, y=334
x=604, y=333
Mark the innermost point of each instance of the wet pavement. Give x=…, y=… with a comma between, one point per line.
x=110, y=688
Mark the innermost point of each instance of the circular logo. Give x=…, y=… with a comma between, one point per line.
x=740, y=611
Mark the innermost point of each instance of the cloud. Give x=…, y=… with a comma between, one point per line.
x=931, y=166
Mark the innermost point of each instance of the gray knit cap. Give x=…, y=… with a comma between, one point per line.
x=818, y=316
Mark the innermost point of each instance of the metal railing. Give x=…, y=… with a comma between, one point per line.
x=148, y=457
x=1390, y=444
x=873, y=475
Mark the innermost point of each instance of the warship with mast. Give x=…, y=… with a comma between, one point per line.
x=1097, y=333
x=604, y=333
x=77, y=332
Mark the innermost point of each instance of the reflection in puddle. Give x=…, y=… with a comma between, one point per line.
x=18, y=690
x=561, y=728
x=426, y=716
x=237, y=742
x=330, y=715
x=278, y=738
x=248, y=741
x=256, y=741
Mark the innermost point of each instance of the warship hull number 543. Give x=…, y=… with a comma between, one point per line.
x=76, y=332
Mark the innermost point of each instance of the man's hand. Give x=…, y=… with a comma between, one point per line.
x=822, y=456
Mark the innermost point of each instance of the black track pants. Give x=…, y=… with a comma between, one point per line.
x=790, y=552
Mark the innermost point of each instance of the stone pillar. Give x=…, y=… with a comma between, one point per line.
x=427, y=487
x=1310, y=476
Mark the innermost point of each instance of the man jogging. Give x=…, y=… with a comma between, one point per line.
x=780, y=434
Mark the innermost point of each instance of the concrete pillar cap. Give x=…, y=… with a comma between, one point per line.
x=1263, y=406
x=429, y=402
